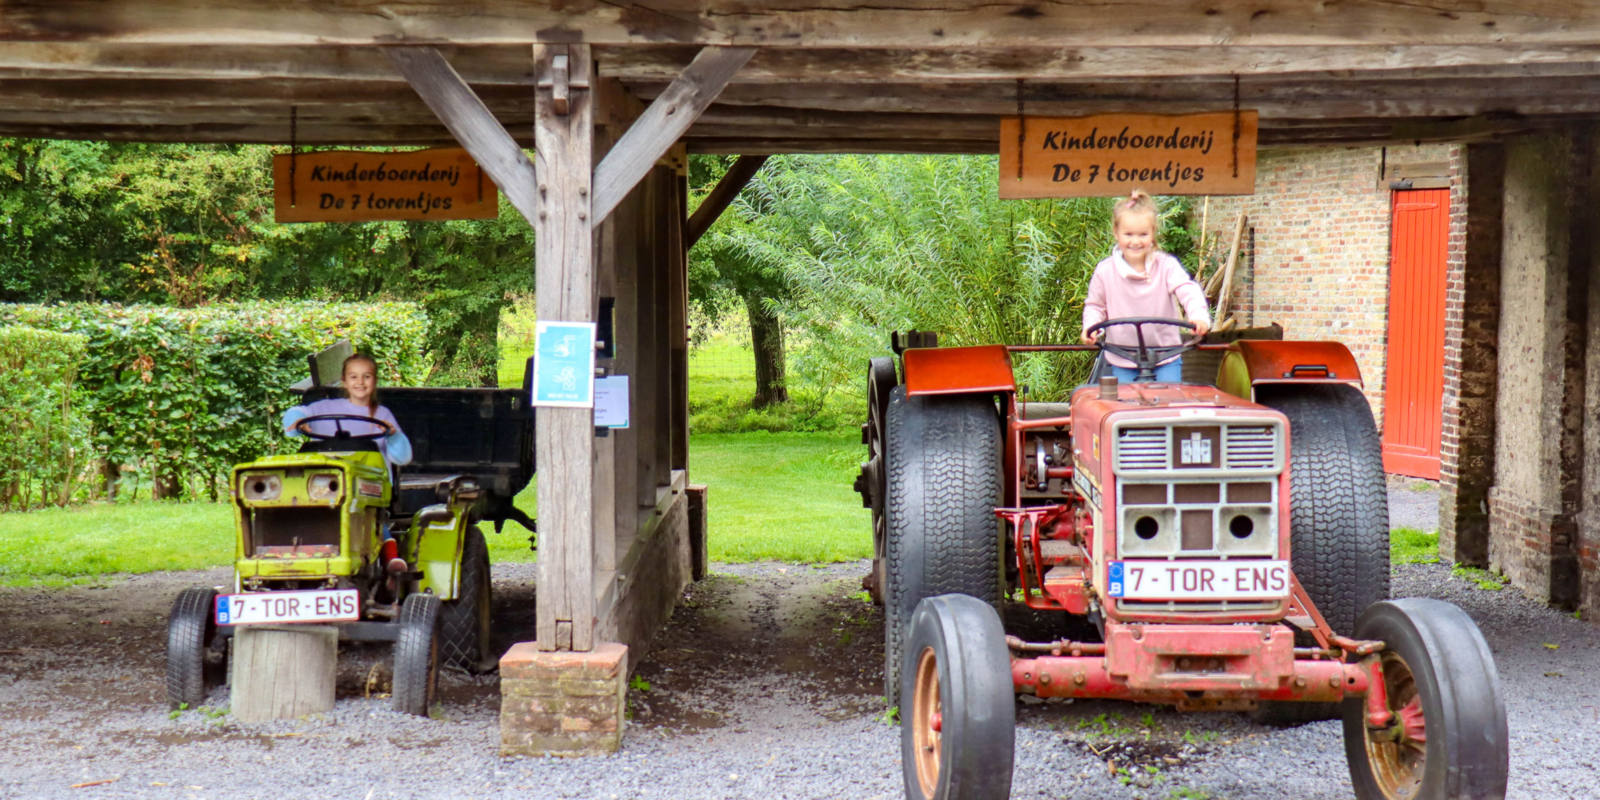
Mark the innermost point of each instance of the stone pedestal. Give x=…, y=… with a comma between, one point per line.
x=562, y=703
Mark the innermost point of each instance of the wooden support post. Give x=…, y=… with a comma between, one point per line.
x=471, y=122
x=283, y=672
x=674, y=110
x=565, y=287
x=648, y=367
x=605, y=466
x=629, y=225
x=668, y=211
x=677, y=339
x=723, y=194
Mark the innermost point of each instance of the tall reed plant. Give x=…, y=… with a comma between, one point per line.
x=869, y=245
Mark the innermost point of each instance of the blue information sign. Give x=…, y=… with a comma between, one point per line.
x=563, y=369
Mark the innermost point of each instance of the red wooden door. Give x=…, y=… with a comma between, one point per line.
x=1413, y=386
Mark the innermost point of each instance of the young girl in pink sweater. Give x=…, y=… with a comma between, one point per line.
x=1140, y=281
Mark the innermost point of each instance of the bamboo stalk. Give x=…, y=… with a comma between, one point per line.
x=1225, y=290
x=1200, y=260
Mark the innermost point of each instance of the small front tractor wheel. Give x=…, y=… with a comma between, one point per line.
x=941, y=535
x=1338, y=513
x=192, y=655
x=957, y=712
x=464, y=621
x=1445, y=735
x=416, y=655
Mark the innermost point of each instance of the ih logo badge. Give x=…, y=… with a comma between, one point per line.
x=1196, y=449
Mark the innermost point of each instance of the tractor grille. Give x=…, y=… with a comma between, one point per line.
x=295, y=531
x=1142, y=448
x=1251, y=447
x=1147, y=449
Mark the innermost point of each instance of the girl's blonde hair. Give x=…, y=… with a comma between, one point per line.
x=372, y=404
x=1137, y=202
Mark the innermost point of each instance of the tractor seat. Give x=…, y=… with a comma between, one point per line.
x=1044, y=410
x=413, y=492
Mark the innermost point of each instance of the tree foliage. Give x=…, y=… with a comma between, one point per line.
x=44, y=435
x=187, y=225
x=866, y=245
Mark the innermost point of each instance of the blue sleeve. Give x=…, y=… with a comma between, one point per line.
x=398, y=448
x=292, y=416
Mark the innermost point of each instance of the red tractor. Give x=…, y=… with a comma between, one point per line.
x=1229, y=543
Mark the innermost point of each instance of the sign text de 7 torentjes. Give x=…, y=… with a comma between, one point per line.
x=1113, y=154
x=355, y=186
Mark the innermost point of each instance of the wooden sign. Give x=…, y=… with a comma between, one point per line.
x=1113, y=154
x=351, y=186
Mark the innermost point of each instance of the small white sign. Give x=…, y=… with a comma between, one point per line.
x=1196, y=449
x=611, y=402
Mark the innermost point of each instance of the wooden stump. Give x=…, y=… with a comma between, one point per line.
x=283, y=671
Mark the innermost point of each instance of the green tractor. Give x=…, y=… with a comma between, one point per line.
x=311, y=545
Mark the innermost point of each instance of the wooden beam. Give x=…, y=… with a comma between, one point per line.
x=507, y=64
x=676, y=107
x=472, y=124
x=936, y=24
x=899, y=65
x=721, y=196
x=564, y=248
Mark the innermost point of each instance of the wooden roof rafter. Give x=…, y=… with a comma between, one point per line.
x=895, y=76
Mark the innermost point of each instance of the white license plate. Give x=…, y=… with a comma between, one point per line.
x=1199, y=580
x=334, y=605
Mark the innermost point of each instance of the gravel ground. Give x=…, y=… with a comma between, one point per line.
x=1413, y=503
x=765, y=685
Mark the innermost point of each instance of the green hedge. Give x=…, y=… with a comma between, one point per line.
x=44, y=437
x=175, y=396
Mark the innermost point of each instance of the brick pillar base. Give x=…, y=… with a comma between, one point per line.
x=562, y=703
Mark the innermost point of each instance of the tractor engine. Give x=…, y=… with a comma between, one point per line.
x=1161, y=499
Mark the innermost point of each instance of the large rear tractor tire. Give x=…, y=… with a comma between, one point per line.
x=873, y=481
x=941, y=535
x=957, y=713
x=464, y=623
x=1447, y=735
x=1338, y=513
x=193, y=656
x=416, y=655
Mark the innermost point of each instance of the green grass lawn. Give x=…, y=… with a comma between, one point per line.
x=782, y=496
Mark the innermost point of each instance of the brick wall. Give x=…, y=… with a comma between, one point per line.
x=1316, y=254
x=1471, y=377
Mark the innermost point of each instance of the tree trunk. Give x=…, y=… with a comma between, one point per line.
x=766, y=338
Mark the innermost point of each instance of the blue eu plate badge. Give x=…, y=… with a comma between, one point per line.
x=223, y=618
x=1114, y=584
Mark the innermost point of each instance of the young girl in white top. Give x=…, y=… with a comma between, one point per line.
x=1140, y=281
x=359, y=378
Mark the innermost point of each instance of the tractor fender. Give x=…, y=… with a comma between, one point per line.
x=958, y=370
x=438, y=553
x=1249, y=363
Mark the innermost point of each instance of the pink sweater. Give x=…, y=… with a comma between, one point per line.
x=1117, y=291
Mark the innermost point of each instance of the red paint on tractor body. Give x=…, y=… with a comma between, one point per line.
x=958, y=370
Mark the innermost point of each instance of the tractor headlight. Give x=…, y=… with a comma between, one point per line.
x=323, y=487
x=261, y=485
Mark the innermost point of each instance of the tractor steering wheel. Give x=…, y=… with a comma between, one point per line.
x=1144, y=357
x=304, y=427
